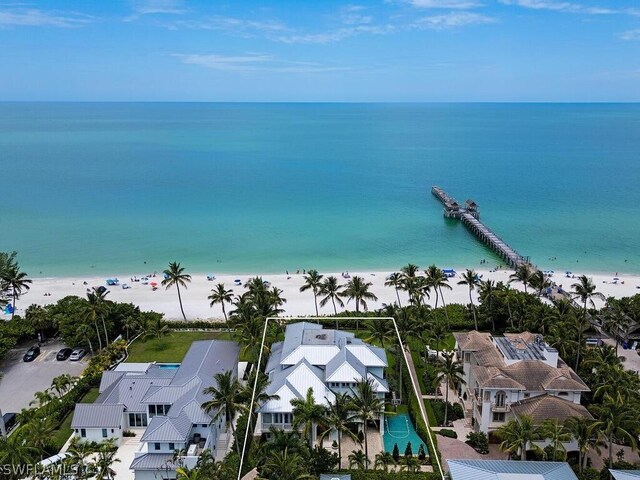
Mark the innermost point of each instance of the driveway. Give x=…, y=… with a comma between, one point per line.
x=20, y=380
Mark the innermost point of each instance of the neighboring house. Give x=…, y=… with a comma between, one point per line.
x=518, y=374
x=509, y=470
x=163, y=403
x=328, y=361
x=625, y=474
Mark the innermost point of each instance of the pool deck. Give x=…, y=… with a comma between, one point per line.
x=374, y=440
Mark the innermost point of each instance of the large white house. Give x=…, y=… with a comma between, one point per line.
x=514, y=375
x=161, y=403
x=328, y=361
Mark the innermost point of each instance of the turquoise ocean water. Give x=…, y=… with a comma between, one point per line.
x=91, y=187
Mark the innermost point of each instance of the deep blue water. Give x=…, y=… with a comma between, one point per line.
x=104, y=187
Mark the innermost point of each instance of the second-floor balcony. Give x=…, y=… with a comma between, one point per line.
x=501, y=407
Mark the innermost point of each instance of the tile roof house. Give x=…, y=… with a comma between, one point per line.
x=165, y=400
x=325, y=360
x=514, y=375
x=509, y=470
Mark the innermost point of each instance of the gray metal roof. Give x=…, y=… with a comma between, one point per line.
x=509, y=470
x=153, y=461
x=96, y=415
x=625, y=474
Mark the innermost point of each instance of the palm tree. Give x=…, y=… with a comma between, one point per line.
x=539, y=282
x=452, y=373
x=106, y=457
x=62, y=383
x=186, y=473
x=14, y=450
x=13, y=278
x=221, y=295
x=438, y=331
x=557, y=434
x=381, y=330
x=365, y=406
x=313, y=281
x=79, y=452
x=283, y=465
x=95, y=309
x=338, y=419
x=583, y=433
x=358, y=459
x=383, y=459
x=585, y=290
x=332, y=291
x=174, y=275
x=226, y=401
x=84, y=331
x=42, y=398
x=519, y=435
x=470, y=278
x=487, y=294
x=40, y=434
x=523, y=274
x=156, y=327
x=617, y=420
x=307, y=414
x=395, y=280
x=357, y=289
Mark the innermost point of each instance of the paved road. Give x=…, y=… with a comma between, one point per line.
x=21, y=380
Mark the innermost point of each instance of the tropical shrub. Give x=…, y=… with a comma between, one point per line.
x=446, y=432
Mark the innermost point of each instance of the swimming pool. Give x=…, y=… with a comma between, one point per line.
x=169, y=365
x=399, y=429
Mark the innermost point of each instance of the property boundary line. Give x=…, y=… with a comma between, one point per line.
x=416, y=388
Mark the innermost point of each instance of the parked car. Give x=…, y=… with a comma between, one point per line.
x=77, y=354
x=64, y=354
x=31, y=354
x=9, y=421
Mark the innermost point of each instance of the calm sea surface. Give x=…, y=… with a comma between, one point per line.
x=103, y=188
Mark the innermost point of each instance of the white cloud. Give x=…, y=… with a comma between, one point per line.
x=630, y=35
x=451, y=4
x=33, y=17
x=337, y=35
x=154, y=7
x=254, y=62
x=237, y=26
x=453, y=20
x=566, y=7
x=352, y=15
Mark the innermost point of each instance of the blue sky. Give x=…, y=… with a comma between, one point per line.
x=374, y=50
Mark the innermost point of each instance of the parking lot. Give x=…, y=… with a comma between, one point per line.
x=20, y=380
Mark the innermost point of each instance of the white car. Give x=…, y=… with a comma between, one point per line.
x=77, y=354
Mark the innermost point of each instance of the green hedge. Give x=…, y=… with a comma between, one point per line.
x=380, y=475
x=445, y=432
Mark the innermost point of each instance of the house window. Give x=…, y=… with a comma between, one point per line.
x=83, y=433
x=104, y=433
x=204, y=425
x=172, y=446
x=137, y=419
x=500, y=398
x=156, y=446
x=526, y=395
x=152, y=411
x=266, y=418
x=112, y=430
x=498, y=416
x=467, y=357
x=563, y=394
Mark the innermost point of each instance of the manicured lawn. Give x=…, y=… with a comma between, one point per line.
x=90, y=396
x=169, y=349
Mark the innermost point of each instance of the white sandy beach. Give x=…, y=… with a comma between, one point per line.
x=196, y=305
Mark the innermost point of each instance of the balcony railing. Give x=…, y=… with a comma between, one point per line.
x=505, y=407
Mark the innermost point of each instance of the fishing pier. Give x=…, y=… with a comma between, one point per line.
x=470, y=216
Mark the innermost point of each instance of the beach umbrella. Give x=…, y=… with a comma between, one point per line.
x=153, y=284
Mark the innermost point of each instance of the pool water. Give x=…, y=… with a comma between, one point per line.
x=399, y=429
x=169, y=365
